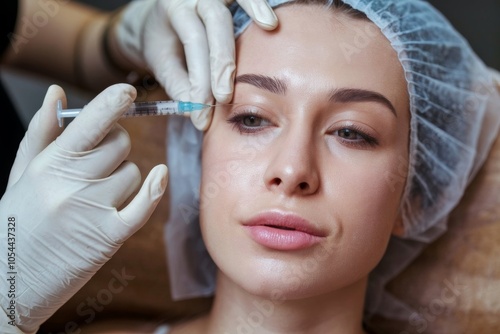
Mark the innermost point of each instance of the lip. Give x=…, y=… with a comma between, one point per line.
x=283, y=231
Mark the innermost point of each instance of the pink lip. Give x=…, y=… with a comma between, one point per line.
x=283, y=231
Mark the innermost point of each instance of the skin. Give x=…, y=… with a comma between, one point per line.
x=46, y=38
x=296, y=150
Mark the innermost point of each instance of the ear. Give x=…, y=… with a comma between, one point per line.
x=398, y=229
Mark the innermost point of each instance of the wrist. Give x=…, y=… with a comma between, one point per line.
x=112, y=50
x=97, y=61
x=128, y=32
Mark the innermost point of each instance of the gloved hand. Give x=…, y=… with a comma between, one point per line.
x=187, y=42
x=61, y=215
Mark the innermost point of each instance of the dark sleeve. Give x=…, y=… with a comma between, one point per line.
x=7, y=22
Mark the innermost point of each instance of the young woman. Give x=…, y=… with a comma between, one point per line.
x=308, y=213
x=353, y=122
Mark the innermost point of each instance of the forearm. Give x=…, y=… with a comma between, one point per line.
x=64, y=40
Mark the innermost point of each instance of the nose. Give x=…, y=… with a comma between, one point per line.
x=293, y=167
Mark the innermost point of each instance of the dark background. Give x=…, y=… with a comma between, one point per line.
x=479, y=22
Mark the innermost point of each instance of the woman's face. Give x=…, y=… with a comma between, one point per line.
x=302, y=177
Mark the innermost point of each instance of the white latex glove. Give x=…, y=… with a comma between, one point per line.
x=188, y=45
x=61, y=215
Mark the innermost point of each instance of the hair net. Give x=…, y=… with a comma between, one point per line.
x=455, y=116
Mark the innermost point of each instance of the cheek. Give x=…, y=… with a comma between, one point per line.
x=231, y=178
x=367, y=206
x=229, y=168
x=372, y=192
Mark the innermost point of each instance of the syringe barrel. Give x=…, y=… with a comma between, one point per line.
x=148, y=108
x=163, y=108
x=152, y=108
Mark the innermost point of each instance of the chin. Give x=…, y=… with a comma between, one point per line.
x=285, y=280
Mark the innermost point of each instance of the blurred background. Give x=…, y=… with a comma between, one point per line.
x=478, y=21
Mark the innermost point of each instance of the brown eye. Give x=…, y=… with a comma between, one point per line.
x=252, y=121
x=349, y=134
x=249, y=122
x=355, y=137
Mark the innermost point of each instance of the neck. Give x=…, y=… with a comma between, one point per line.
x=236, y=311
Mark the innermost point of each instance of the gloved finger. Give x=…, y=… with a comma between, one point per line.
x=119, y=186
x=191, y=32
x=97, y=118
x=140, y=208
x=261, y=13
x=102, y=160
x=167, y=63
x=201, y=119
x=164, y=53
x=219, y=30
x=42, y=130
x=170, y=71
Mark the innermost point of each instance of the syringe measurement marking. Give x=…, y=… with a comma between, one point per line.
x=149, y=111
x=142, y=111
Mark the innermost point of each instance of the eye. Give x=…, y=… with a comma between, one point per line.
x=353, y=136
x=249, y=122
x=349, y=134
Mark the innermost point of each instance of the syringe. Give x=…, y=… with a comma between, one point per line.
x=150, y=108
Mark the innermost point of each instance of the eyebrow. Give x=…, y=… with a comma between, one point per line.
x=341, y=95
x=274, y=85
x=345, y=95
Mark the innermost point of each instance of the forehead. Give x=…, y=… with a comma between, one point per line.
x=317, y=43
